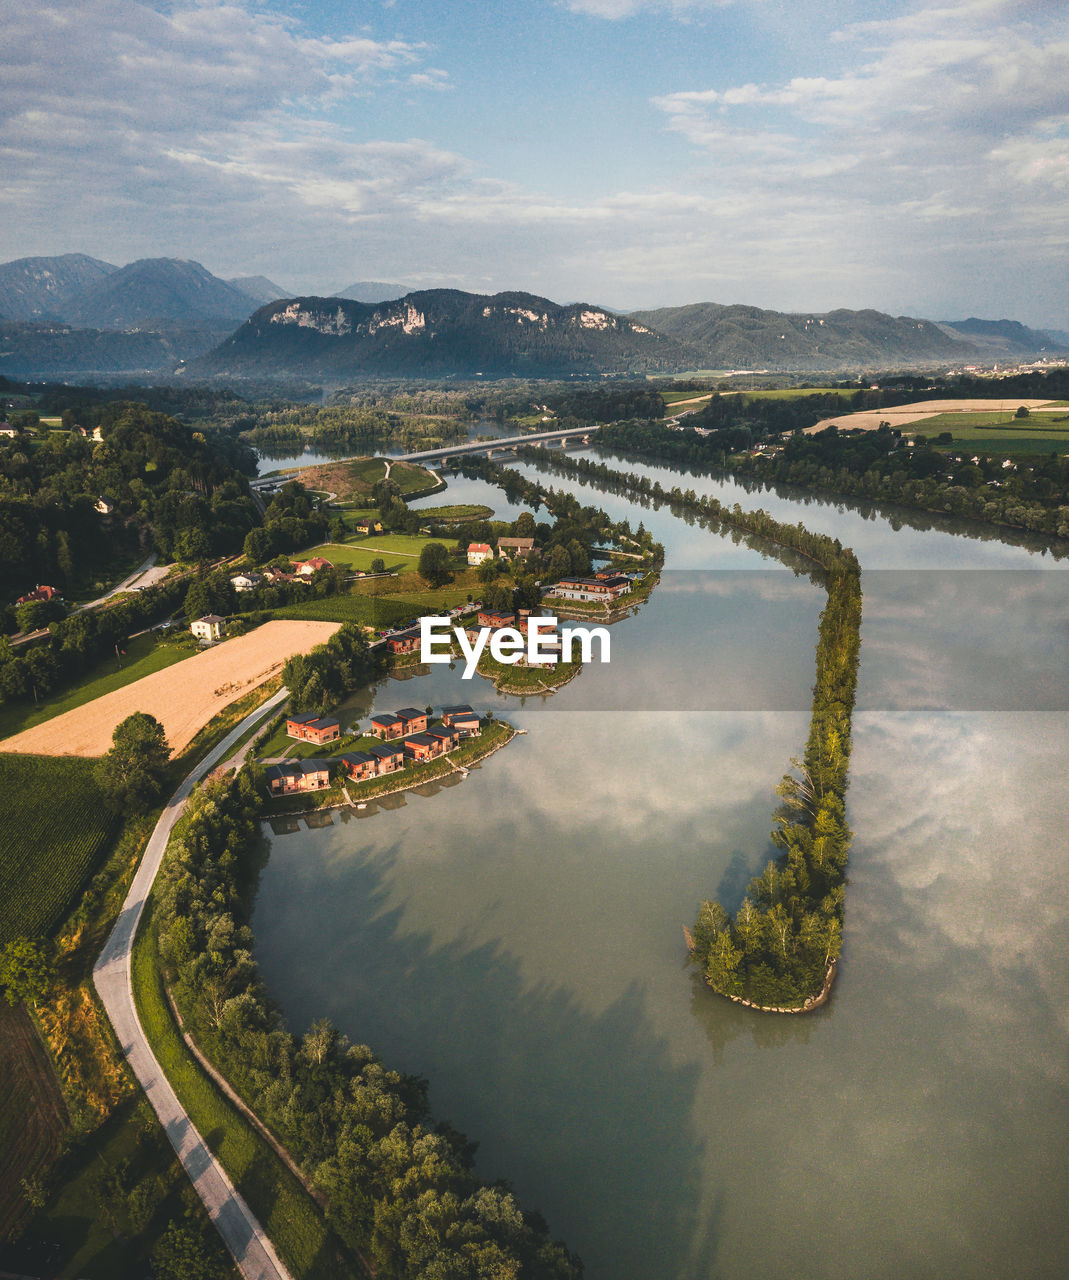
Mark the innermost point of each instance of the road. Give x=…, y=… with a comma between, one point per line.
x=147, y=571
x=241, y=1232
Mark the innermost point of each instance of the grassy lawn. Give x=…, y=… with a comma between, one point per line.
x=984, y=421
x=53, y=827
x=354, y=478
x=144, y=655
x=290, y=1217
x=348, y=555
x=998, y=434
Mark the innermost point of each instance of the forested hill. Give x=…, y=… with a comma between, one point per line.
x=441, y=332
x=72, y=508
x=749, y=337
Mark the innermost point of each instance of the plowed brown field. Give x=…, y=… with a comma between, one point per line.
x=183, y=698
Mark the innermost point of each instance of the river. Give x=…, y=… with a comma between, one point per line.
x=517, y=937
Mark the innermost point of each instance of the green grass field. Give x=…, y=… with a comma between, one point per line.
x=369, y=611
x=53, y=827
x=998, y=433
x=143, y=656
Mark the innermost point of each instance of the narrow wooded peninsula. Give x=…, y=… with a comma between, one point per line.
x=779, y=951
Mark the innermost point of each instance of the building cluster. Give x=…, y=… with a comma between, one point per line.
x=507, y=549
x=301, y=571
x=405, y=736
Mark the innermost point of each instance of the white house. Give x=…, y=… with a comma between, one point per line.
x=104, y=505
x=479, y=553
x=246, y=581
x=210, y=627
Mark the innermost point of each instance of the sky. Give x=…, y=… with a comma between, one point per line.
x=629, y=153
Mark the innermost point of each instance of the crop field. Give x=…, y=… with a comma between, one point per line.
x=349, y=555
x=53, y=827
x=183, y=698
x=906, y=415
x=961, y=424
x=32, y=1118
x=368, y=611
x=144, y=655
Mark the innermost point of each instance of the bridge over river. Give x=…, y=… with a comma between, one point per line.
x=575, y=435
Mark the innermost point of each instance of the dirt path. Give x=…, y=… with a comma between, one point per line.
x=182, y=697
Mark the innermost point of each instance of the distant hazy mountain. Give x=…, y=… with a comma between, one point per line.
x=438, y=332
x=43, y=288
x=259, y=288
x=1003, y=337
x=155, y=291
x=749, y=337
x=373, y=291
x=62, y=351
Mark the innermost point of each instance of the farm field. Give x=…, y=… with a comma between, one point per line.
x=53, y=826
x=183, y=698
x=981, y=424
x=144, y=655
x=459, y=511
x=33, y=1116
x=903, y=415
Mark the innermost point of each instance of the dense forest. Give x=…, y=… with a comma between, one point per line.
x=399, y=1187
x=163, y=486
x=778, y=950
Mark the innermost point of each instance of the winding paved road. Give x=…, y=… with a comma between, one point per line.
x=241, y=1232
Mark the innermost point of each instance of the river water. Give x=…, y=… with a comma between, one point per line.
x=516, y=937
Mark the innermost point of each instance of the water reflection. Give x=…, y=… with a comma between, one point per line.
x=517, y=938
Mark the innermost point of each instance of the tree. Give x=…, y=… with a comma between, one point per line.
x=258, y=545
x=27, y=971
x=181, y=1254
x=1022, y=412
x=131, y=775
x=378, y=565
x=434, y=564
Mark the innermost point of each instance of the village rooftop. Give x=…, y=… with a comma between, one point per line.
x=508, y=645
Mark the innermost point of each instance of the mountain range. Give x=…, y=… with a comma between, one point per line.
x=77, y=316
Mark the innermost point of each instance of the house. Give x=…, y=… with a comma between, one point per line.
x=6, y=429
x=591, y=589
x=463, y=719
x=422, y=746
x=211, y=627
x=41, y=592
x=305, y=568
x=479, y=553
x=404, y=641
x=317, y=729
x=390, y=758
x=412, y=720
x=386, y=726
x=496, y=618
x=360, y=765
x=448, y=738
x=368, y=526
x=298, y=775
x=246, y=581
x=104, y=505
x=515, y=548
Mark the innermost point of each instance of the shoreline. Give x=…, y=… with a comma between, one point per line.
x=411, y=785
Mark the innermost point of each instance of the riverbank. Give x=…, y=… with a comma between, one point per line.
x=343, y=794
